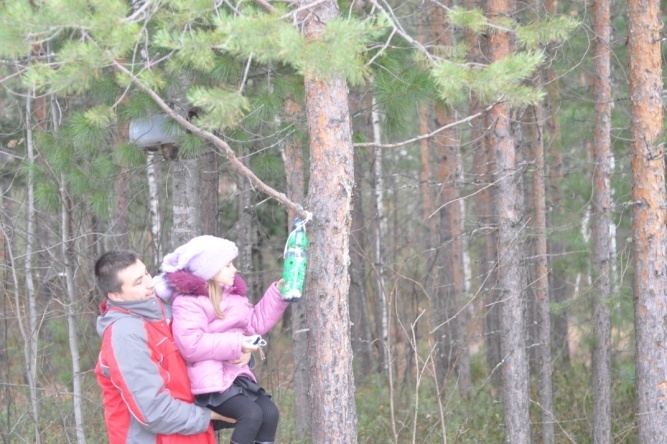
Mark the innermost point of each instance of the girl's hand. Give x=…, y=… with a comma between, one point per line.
x=243, y=360
x=247, y=346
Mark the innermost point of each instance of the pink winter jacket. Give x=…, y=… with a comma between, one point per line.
x=207, y=342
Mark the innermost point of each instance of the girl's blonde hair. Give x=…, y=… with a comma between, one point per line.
x=215, y=294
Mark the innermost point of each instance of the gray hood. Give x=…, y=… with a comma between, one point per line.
x=152, y=309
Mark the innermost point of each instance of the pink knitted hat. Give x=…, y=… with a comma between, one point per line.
x=203, y=256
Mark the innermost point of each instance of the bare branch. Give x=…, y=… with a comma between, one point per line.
x=425, y=136
x=219, y=143
x=266, y=6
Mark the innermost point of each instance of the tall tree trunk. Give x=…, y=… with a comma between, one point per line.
x=334, y=417
x=451, y=238
x=294, y=173
x=601, y=361
x=361, y=327
x=152, y=168
x=381, y=308
x=30, y=346
x=209, y=193
x=540, y=278
x=649, y=232
x=559, y=289
x=185, y=201
x=121, y=225
x=482, y=166
x=509, y=211
x=71, y=310
x=246, y=227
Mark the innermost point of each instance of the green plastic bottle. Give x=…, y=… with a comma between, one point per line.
x=294, y=267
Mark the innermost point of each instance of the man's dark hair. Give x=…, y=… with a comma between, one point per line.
x=107, y=267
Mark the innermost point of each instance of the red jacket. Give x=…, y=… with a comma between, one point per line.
x=146, y=392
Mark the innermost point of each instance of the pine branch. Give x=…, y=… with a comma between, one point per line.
x=424, y=136
x=219, y=143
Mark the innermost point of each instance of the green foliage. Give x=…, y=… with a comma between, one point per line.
x=474, y=19
x=339, y=52
x=138, y=106
x=498, y=81
x=129, y=155
x=85, y=130
x=194, y=48
x=399, y=86
x=223, y=107
x=265, y=37
x=190, y=145
x=47, y=196
x=14, y=16
x=543, y=32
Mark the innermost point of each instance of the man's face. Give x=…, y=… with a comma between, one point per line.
x=136, y=284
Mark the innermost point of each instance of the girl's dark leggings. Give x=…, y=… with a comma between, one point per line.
x=255, y=420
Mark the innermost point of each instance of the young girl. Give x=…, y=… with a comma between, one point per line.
x=213, y=322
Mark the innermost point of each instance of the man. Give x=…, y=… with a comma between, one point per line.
x=146, y=392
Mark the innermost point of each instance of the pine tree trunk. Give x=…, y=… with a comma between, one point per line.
x=294, y=173
x=334, y=418
x=451, y=237
x=152, y=166
x=71, y=311
x=649, y=232
x=209, y=193
x=32, y=336
x=559, y=289
x=601, y=255
x=246, y=229
x=185, y=201
x=361, y=335
x=540, y=278
x=482, y=167
x=509, y=211
x=121, y=224
x=381, y=308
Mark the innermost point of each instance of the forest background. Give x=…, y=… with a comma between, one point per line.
x=483, y=184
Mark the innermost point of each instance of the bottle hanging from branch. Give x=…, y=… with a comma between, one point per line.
x=294, y=267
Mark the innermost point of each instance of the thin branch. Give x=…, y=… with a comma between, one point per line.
x=219, y=143
x=266, y=6
x=397, y=27
x=245, y=74
x=381, y=51
x=424, y=136
x=294, y=12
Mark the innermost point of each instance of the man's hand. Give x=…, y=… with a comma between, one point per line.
x=243, y=360
x=218, y=417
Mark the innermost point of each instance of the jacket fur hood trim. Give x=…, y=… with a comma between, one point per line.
x=185, y=283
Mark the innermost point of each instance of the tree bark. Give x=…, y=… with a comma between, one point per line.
x=649, y=232
x=540, y=278
x=559, y=289
x=71, y=311
x=450, y=257
x=294, y=173
x=185, y=201
x=361, y=322
x=152, y=168
x=334, y=418
x=209, y=193
x=601, y=255
x=381, y=232
x=31, y=339
x=509, y=211
x=121, y=225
